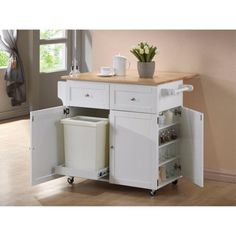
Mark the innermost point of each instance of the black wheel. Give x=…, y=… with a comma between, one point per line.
x=175, y=182
x=152, y=193
x=70, y=180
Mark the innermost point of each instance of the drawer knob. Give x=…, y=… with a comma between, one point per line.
x=112, y=147
x=87, y=95
x=132, y=99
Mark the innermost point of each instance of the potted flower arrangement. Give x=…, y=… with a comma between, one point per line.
x=145, y=53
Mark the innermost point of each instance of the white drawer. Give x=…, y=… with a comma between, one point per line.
x=166, y=96
x=138, y=98
x=88, y=94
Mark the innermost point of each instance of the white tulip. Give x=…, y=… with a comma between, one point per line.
x=146, y=50
x=141, y=51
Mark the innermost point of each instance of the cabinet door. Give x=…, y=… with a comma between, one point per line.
x=133, y=153
x=192, y=145
x=47, y=144
x=61, y=91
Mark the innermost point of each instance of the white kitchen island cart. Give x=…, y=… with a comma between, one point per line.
x=153, y=139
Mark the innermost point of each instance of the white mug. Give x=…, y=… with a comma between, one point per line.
x=105, y=70
x=119, y=65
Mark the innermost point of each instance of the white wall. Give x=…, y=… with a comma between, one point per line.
x=210, y=53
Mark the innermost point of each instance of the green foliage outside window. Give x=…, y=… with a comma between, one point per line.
x=4, y=57
x=52, y=34
x=52, y=56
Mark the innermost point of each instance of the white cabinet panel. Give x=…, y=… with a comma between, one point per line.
x=166, y=96
x=47, y=147
x=192, y=145
x=133, y=154
x=137, y=98
x=88, y=94
x=61, y=91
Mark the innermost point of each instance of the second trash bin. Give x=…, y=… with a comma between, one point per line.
x=86, y=143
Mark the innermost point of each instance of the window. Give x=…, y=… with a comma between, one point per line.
x=4, y=57
x=53, y=50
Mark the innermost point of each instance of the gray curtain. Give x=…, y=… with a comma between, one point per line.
x=14, y=76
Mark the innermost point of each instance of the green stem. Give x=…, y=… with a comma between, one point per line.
x=149, y=54
x=136, y=54
x=142, y=58
x=152, y=53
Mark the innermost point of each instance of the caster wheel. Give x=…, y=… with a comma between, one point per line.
x=152, y=193
x=70, y=180
x=175, y=182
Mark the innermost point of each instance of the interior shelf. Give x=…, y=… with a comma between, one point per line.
x=168, y=143
x=168, y=181
x=169, y=125
x=169, y=160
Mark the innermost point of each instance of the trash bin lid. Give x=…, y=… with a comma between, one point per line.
x=85, y=121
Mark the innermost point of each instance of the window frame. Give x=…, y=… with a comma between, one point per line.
x=67, y=40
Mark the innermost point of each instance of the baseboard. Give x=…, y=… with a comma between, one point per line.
x=21, y=111
x=219, y=176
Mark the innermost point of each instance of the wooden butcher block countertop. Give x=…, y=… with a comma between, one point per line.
x=133, y=78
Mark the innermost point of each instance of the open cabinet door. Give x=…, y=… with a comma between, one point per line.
x=192, y=145
x=47, y=143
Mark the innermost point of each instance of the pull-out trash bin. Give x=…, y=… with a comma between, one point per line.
x=86, y=143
